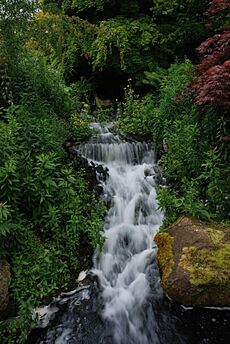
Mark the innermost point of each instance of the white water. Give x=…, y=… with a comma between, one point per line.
x=130, y=225
x=131, y=302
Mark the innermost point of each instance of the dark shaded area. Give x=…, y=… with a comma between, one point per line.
x=107, y=84
x=110, y=9
x=81, y=68
x=79, y=311
x=110, y=84
x=81, y=314
x=203, y=325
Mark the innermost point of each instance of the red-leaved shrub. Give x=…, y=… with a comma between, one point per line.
x=212, y=85
x=217, y=7
x=214, y=50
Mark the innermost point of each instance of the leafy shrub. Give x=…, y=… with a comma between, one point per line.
x=45, y=209
x=143, y=115
x=81, y=91
x=9, y=230
x=195, y=157
x=188, y=200
x=104, y=114
x=183, y=150
x=137, y=45
x=216, y=183
x=174, y=98
x=41, y=188
x=37, y=272
x=135, y=114
x=212, y=84
x=187, y=137
x=80, y=124
x=41, y=87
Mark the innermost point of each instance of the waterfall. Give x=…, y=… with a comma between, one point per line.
x=130, y=225
x=122, y=301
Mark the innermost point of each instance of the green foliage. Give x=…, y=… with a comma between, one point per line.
x=80, y=124
x=162, y=7
x=103, y=114
x=17, y=329
x=48, y=35
x=194, y=157
x=15, y=17
x=125, y=35
x=215, y=178
x=8, y=230
x=143, y=116
x=133, y=45
x=173, y=7
x=41, y=88
x=182, y=18
x=81, y=5
x=111, y=34
x=196, y=171
x=187, y=201
x=45, y=208
x=37, y=271
x=79, y=36
x=135, y=114
x=174, y=100
x=65, y=41
x=183, y=150
x=154, y=78
x=81, y=91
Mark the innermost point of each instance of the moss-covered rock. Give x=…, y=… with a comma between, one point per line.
x=194, y=262
x=4, y=284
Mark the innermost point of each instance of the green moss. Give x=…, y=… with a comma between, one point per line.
x=165, y=254
x=215, y=235
x=207, y=267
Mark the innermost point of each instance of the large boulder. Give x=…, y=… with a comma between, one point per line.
x=4, y=284
x=194, y=262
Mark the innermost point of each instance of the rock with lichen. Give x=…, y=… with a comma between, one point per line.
x=4, y=284
x=194, y=262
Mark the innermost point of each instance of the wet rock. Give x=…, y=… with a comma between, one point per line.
x=79, y=162
x=4, y=284
x=98, y=189
x=101, y=171
x=194, y=262
x=94, y=172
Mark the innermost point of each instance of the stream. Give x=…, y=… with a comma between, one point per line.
x=121, y=300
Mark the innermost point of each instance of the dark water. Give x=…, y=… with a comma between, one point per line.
x=78, y=321
x=121, y=301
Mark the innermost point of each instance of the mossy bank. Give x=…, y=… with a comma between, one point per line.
x=194, y=261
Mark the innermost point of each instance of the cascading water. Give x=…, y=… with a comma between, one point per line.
x=127, y=306
x=131, y=223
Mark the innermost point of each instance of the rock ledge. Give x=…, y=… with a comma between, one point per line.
x=194, y=262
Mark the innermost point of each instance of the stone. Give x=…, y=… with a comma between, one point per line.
x=194, y=262
x=103, y=103
x=4, y=285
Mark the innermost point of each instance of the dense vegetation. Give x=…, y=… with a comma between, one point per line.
x=56, y=59
x=189, y=122
x=47, y=210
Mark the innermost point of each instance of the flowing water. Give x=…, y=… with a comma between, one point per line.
x=131, y=223
x=123, y=303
